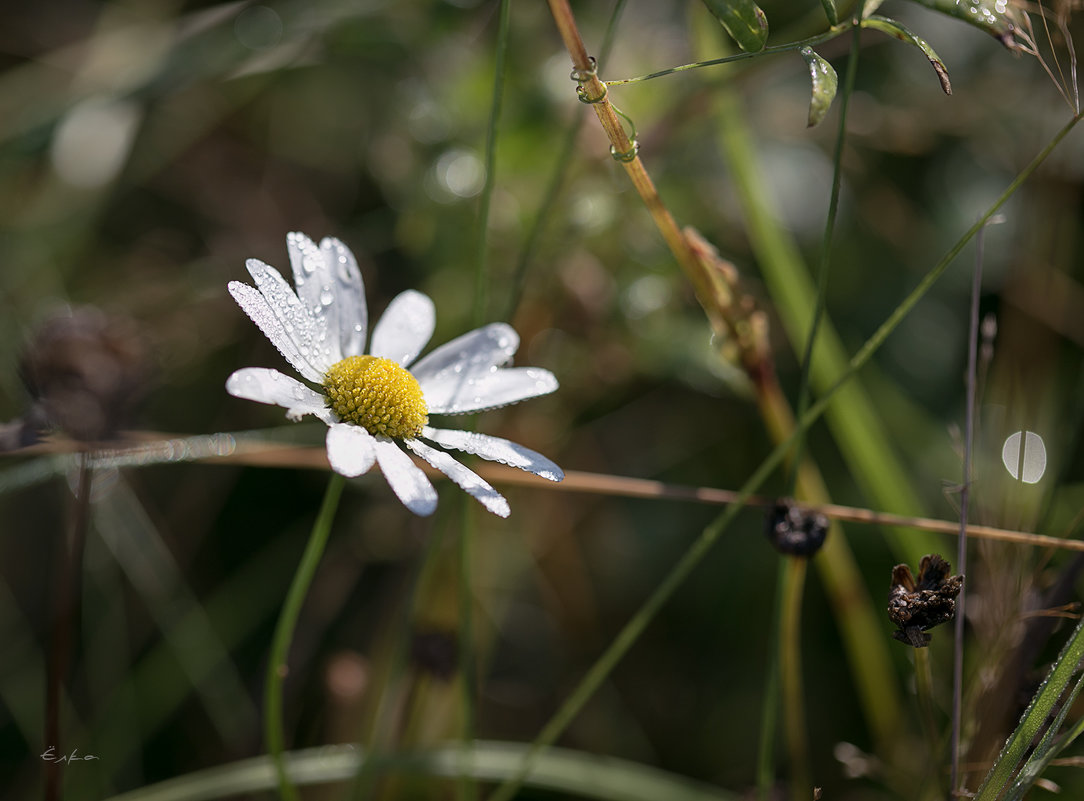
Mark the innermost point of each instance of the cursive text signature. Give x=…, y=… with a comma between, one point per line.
x=50, y=755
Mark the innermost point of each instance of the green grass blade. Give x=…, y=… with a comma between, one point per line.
x=1034, y=721
x=135, y=543
x=560, y=770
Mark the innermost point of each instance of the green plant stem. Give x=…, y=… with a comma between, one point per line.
x=790, y=671
x=829, y=230
x=820, y=38
x=466, y=787
x=769, y=707
x=924, y=691
x=68, y=589
x=284, y=632
x=481, y=279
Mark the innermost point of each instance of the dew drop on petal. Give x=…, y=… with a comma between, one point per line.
x=327, y=297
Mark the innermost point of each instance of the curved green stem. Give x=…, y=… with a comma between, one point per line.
x=820, y=38
x=284, y=633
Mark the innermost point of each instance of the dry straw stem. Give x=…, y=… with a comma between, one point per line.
x=276, y=454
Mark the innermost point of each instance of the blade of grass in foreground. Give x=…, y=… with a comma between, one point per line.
x=560, y=770
x=1037, y=720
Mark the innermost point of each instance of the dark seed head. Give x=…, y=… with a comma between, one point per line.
x=916, y=606
x=795, y=531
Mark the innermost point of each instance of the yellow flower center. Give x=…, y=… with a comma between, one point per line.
x=378, y=395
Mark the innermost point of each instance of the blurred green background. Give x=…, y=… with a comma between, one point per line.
x=148, y=148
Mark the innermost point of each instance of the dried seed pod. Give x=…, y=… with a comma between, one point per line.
x=434, y=651
x=917, y=606
x=795, y=531
x=85, y=372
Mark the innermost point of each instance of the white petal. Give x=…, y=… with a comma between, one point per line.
x=496, y=450
x=257, y=308
x=349, y=295
x=404, y=328
x=405, y=478
x=465, y=478
x=270, y=386
x=458, y=394
x=472, y=353
x=309, y=334
x=350, y=449
x=315, y=289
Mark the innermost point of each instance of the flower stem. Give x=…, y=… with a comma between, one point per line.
x=466, y=787
x=790, y=666
x=69, y=570
x=924, y=691
x=284, y=633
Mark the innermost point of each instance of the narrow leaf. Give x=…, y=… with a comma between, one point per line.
x=996, y=18
x=824, y=85
x=830, y=11
x=1035, y=719
x=743, y=20
x=893, y=28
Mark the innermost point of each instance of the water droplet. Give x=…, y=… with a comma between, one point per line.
x=327, y=297
x=1027, y=465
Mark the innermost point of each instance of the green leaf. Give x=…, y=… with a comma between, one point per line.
x=893, y=28
x=743, y=20
x=996, y=18
x=1036, y=721
x=824, y=85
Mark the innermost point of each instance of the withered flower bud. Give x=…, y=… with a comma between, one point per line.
x=795, y=531
x=917, y=606
x=85, y=372
x=434, y=651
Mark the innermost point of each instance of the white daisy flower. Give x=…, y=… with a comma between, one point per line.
x=370, y=401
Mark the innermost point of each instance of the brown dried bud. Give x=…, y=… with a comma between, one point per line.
x=918, y=606
x=85, y=372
